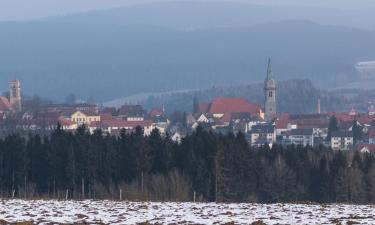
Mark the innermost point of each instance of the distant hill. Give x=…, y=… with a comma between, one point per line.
x=198, y=14
x=89, y=56
x=293, y=96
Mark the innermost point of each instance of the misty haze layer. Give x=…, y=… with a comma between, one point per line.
x=170, y=46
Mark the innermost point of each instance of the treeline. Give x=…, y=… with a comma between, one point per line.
x=205, y=165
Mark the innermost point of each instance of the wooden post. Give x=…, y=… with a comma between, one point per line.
x=66, y=194
x=120, y=194
x=13, y=193
x=194, y=196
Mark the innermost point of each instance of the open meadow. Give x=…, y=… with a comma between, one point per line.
x=110, y=212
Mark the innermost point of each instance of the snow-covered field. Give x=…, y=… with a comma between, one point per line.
x=109, y=212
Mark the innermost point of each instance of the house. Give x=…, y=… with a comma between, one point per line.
x=178, y=135
x=83, y=107
x=342, y=140
x=4, y=105
x=263, y=134
x=161, y=123
x=371, y=136
x=114, y=126
x=132, y=113
x=83, y=118
x=371, y=110
x=221, y=106
x=155, y=112
x=365, y=148
x=302, y=137
x=241, y=122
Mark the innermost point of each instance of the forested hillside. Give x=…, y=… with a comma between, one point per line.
x=293, y=96
x=55, y=58
x=215, y=167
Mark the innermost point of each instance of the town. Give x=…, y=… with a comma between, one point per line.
x=262, y=125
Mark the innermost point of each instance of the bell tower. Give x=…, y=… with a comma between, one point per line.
x=270, y=95
x=15, y=96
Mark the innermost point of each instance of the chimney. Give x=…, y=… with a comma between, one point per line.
x=318, y=108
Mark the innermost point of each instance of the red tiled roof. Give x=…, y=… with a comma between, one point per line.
x=130, y=109
x=4, y=104
x=370, y=147
x=65, y=122
x=282, y=121
x=365, y=119
x=156, y=112
x=106, y=116
x=203, y=108
x=371, y=133
x=230, y=105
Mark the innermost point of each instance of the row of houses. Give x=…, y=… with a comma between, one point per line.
x=71, y=116
x=222, y=115
x=237, y=115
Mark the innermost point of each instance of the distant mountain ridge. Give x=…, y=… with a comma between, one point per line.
x=58, y=56
x=195, y=14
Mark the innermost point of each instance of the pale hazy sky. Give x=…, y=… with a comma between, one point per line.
x=30, y=9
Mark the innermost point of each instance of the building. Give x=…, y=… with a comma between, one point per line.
x=67, y=108
x=15, y=96
x=83, y=118
x=114, y=126
x=132, y=113
x=263, y=134
x=366, y=148
x=304, y=137
x=342, y=140
x=4, y=105
x=270, y=95
x=366, y=70
x=371, y=136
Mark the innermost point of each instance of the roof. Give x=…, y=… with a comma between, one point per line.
x=342, y=134
x=263, y=128
x=156, y=112
x=86, y=113
x=4, y=104
x=65, y=122
x=131, y=110
x=231, y=105
x=203, y=108
x=240, y=116
x=106, y=116
x=282, y=121
x=371, y=133
x=365, y=147
x=121, y=123
x=302, y=132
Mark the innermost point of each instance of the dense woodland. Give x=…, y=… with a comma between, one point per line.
x=214, y=167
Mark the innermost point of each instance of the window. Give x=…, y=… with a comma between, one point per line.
x=270, y=94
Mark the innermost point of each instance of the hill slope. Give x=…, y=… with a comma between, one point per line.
x=107, y=60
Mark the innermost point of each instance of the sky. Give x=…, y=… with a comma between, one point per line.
x=34, y=9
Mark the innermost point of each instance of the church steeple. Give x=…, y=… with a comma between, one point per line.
x=270, y=94
x=269, y=69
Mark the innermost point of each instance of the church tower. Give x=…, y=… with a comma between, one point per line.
x=270, y=95
x=15, y=96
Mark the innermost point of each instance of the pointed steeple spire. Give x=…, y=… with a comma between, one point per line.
x=269, y=69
